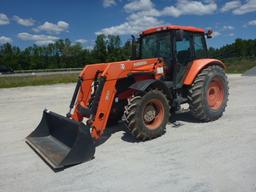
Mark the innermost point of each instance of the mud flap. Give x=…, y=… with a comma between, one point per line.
x=61, y=141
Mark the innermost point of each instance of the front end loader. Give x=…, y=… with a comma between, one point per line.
x=171, y=68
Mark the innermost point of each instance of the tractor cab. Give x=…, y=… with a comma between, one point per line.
x=177, y=45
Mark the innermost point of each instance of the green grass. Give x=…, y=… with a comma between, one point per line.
x=6, y=82
x=239, y=65
x=234, y=65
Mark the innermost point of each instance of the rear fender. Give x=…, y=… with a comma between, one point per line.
x=197, y=66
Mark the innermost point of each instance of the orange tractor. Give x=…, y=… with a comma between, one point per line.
x=171, y=67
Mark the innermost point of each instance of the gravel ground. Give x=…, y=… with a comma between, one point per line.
x=195, y=157
x=250, y=72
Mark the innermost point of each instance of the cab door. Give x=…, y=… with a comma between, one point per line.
x=184, y=54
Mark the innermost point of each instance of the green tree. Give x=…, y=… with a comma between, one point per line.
x=114, y=48
x=100, y=49
x=9, y=56
x=126, y=50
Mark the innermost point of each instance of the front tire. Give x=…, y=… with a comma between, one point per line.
x=116, y=113
x=208, y=94
x=146, y=116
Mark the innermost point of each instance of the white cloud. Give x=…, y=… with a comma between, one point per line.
x=131, y=26
x=143, y=14
x=182, y=7
x=249, y=6
x=252, y=23
x=186, y=7
x=38, y=39
x=109, y=3
x=231, y=5
x=138, y=5
x=238, y=8
x=171, y=11
x=4, y=20
x=4, y=39
x=141, y=8
x=53, y=28
x=25, y=22
x=36, y=30
x=226, y=30
x=215, y=34
x=228, y=27
x=82, y=41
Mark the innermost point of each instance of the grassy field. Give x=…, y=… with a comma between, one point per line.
x=6, y=82
x=234, y=65
x=239, y=65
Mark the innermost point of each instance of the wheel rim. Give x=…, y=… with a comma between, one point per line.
x=215, y=93
x=153, y=114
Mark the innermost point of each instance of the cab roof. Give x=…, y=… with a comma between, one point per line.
x=173, y=27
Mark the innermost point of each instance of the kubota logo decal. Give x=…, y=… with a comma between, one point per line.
x=122, y=66
x=107, y=95
x=140, y=63
x=160, y=70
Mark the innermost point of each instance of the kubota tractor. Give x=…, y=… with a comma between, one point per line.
x=171, y=68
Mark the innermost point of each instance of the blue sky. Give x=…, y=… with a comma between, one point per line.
x=27, y=22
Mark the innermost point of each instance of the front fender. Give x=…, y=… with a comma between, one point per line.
x=197, y=66
x=151, y=83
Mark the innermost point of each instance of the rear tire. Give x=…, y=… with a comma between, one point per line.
x=208, y=94
x=146, y=116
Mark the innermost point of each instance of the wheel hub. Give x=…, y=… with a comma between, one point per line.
x=215, y=93
x=150, y=113
x=153, y=114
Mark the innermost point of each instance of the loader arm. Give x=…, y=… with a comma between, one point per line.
x=95, y=103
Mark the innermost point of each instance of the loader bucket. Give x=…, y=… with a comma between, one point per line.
x=61, y=141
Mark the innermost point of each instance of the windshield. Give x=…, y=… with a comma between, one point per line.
x=156, y=45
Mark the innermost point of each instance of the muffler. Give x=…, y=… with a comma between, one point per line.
x=61, y=141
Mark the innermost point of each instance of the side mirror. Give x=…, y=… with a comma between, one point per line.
x=179, y=35
x=209, y=34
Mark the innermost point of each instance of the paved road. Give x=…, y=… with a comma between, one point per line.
x=196, y=157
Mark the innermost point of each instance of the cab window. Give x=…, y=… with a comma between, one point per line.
x=183, y=48
x=156, y=45
x=199, y=45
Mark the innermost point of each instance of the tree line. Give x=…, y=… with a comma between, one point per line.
x=240, y=48
x=65, y=54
